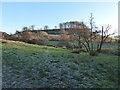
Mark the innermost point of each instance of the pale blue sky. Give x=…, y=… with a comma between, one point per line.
x=16, y=15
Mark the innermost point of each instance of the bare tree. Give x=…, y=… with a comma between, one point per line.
x=88, y=37
x=17, y=32
x=46, y=27
x=25, y=29
x=61, y=26
x=104, y=35
x=77, y=30
x=33, y=27
x=55, y=27
x=91, y=29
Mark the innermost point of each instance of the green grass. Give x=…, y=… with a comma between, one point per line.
x=105, y=45
x=53, y=42
x=30, y=66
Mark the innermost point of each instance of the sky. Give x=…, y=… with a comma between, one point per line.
x=16, y=15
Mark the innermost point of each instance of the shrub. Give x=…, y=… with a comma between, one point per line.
x=27, y=35
x=4, y=42
x=41, y=42
x=35, y=41
x=93, y=53
x=78, y=51
x=54, y=37
x=13, y=37
x=64, y=37
x=31, y=41
x=50, y=45
x=43, y=33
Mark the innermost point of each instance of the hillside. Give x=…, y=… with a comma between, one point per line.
x=34, y=66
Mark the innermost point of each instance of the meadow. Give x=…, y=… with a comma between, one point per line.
x=35, y=66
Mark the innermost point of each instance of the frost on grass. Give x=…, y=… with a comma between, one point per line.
x=38, y=66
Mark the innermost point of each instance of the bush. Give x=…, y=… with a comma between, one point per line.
x=31, y=41
x=42, y=42
x=43, y=33
x=54, y=37
x=78, y=51
x=64, y=37
x=93, y=53
x=4, y=42
x=50, y=45
x=13, y=37
x=38, y=42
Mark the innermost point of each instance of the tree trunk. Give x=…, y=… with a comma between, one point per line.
x=91, y=23
x=101, y=42
x=79, y=43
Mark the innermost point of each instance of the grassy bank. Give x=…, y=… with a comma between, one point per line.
x=29, y=66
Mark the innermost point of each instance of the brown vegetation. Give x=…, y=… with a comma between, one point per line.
x=73, y=31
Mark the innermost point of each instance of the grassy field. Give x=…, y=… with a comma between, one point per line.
x=105, y=45
x=33, y=66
